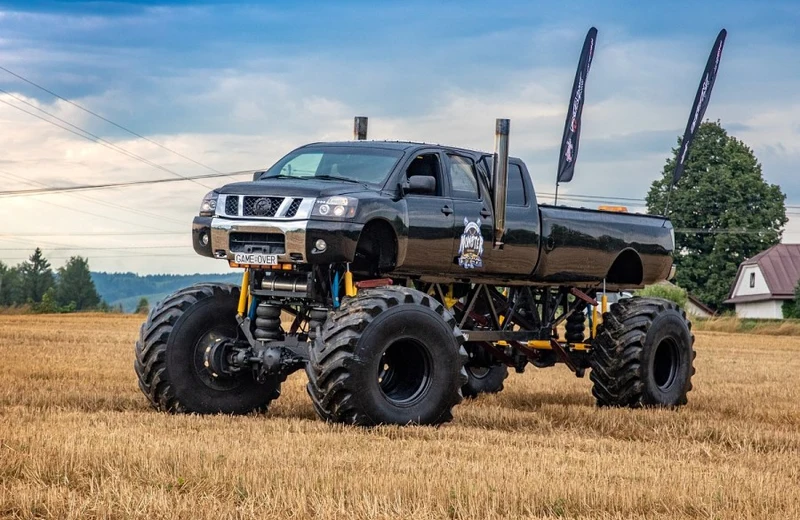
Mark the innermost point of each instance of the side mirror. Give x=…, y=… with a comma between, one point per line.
x=421, y=184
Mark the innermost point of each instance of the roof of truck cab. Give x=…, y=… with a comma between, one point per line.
x=395, y=145
x=402, y=146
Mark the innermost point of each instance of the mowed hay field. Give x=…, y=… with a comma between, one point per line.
x=77, y=440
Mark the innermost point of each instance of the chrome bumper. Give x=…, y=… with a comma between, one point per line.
x=294, y=233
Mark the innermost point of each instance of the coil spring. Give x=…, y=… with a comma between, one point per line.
x=268, y=321
x=575, y=327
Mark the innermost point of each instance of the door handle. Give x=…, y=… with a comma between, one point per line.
x=447, y=210
x=485, y=213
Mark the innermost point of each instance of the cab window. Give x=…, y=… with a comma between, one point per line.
x=515, y=193
x=462, y=177
x=427, y=164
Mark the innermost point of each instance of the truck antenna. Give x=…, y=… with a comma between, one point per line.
x=572, y=127
x=699, y=106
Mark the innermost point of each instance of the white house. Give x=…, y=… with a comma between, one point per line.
x=698, y=309
x=765, y=281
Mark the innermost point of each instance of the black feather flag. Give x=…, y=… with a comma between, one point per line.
x=700, y=104
x=572, y=127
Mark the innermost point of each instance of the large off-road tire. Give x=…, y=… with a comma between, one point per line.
x=643, y=355
x=484, y=380
x=169, y=355
x=388, y=356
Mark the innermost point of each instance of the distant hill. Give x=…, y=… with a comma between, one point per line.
x=128, y=288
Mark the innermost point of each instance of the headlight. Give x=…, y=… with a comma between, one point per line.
x=335, y=207
x=209, y=205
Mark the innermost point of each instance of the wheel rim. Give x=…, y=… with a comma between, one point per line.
x=665, y=363
x=205, y=341
x=404, y=372
x=478, y=372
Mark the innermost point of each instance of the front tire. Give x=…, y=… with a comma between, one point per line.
x=169, y=355
x=643, y=355
x=392, y=355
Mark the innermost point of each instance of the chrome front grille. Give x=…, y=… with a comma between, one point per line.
x=232, y=206
x=265, y=207
x=261, y=206
x=293, y=207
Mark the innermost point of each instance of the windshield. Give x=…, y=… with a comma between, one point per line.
x=366, y=165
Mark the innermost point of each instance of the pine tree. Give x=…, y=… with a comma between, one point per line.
x=75, y=288
x=36, y=277
x=143, y=307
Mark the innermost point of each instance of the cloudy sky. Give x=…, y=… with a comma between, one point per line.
x=235, y=86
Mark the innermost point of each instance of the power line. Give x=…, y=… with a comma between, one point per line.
x=114, y=205
x=101, y=234
x=122, y=257
x=95, y=248
x=95, y=114
x=90, y=136
x=608, y=198
x=112, y=185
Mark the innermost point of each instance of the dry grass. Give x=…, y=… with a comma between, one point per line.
x=734, y=324
x=78, y=441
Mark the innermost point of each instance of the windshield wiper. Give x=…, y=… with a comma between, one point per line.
x=336, y=178
x=281, y=176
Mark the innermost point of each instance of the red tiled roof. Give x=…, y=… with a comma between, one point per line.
x=781, y=267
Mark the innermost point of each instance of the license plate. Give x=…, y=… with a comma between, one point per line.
x=255, y=259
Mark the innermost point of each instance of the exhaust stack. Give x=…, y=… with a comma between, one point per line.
x=360, y=128
x=500, y=178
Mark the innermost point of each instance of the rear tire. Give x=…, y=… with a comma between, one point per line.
x=170, y=349
x=643, y=355
x=484, y=380
x=388, y=356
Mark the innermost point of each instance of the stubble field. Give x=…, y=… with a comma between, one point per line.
x=77, y=440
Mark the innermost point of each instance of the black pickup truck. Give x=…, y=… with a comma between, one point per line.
x=426, y=212
x=404, y=276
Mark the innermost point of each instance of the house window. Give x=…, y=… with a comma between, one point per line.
x=752, y=279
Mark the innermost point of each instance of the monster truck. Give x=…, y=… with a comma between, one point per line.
x=404, y=276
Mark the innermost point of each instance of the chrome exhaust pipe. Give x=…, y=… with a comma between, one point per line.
x=360, y=128
x=500, y=178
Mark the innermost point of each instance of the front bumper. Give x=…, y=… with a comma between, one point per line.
x=299, y=238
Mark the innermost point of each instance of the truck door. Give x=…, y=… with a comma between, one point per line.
x=473, y=215
x=430, y=219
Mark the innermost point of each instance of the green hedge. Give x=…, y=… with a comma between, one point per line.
x=668, y=292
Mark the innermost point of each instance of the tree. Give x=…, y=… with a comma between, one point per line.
x=143, y=307
x=723, y=210
x=791, y=308
x=75, y=286
x=9, y=285
x=36, y=277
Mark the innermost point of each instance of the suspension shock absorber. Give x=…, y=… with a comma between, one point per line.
x=575, y=326
x=268, y=321
x=316, y=318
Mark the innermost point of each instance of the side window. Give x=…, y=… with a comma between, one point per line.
x=428, y=165
x=462, y=177
x=515, y=191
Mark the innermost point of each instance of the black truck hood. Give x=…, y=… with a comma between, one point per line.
x=293, y=188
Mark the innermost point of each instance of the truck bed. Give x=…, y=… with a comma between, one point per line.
x=580, y=245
